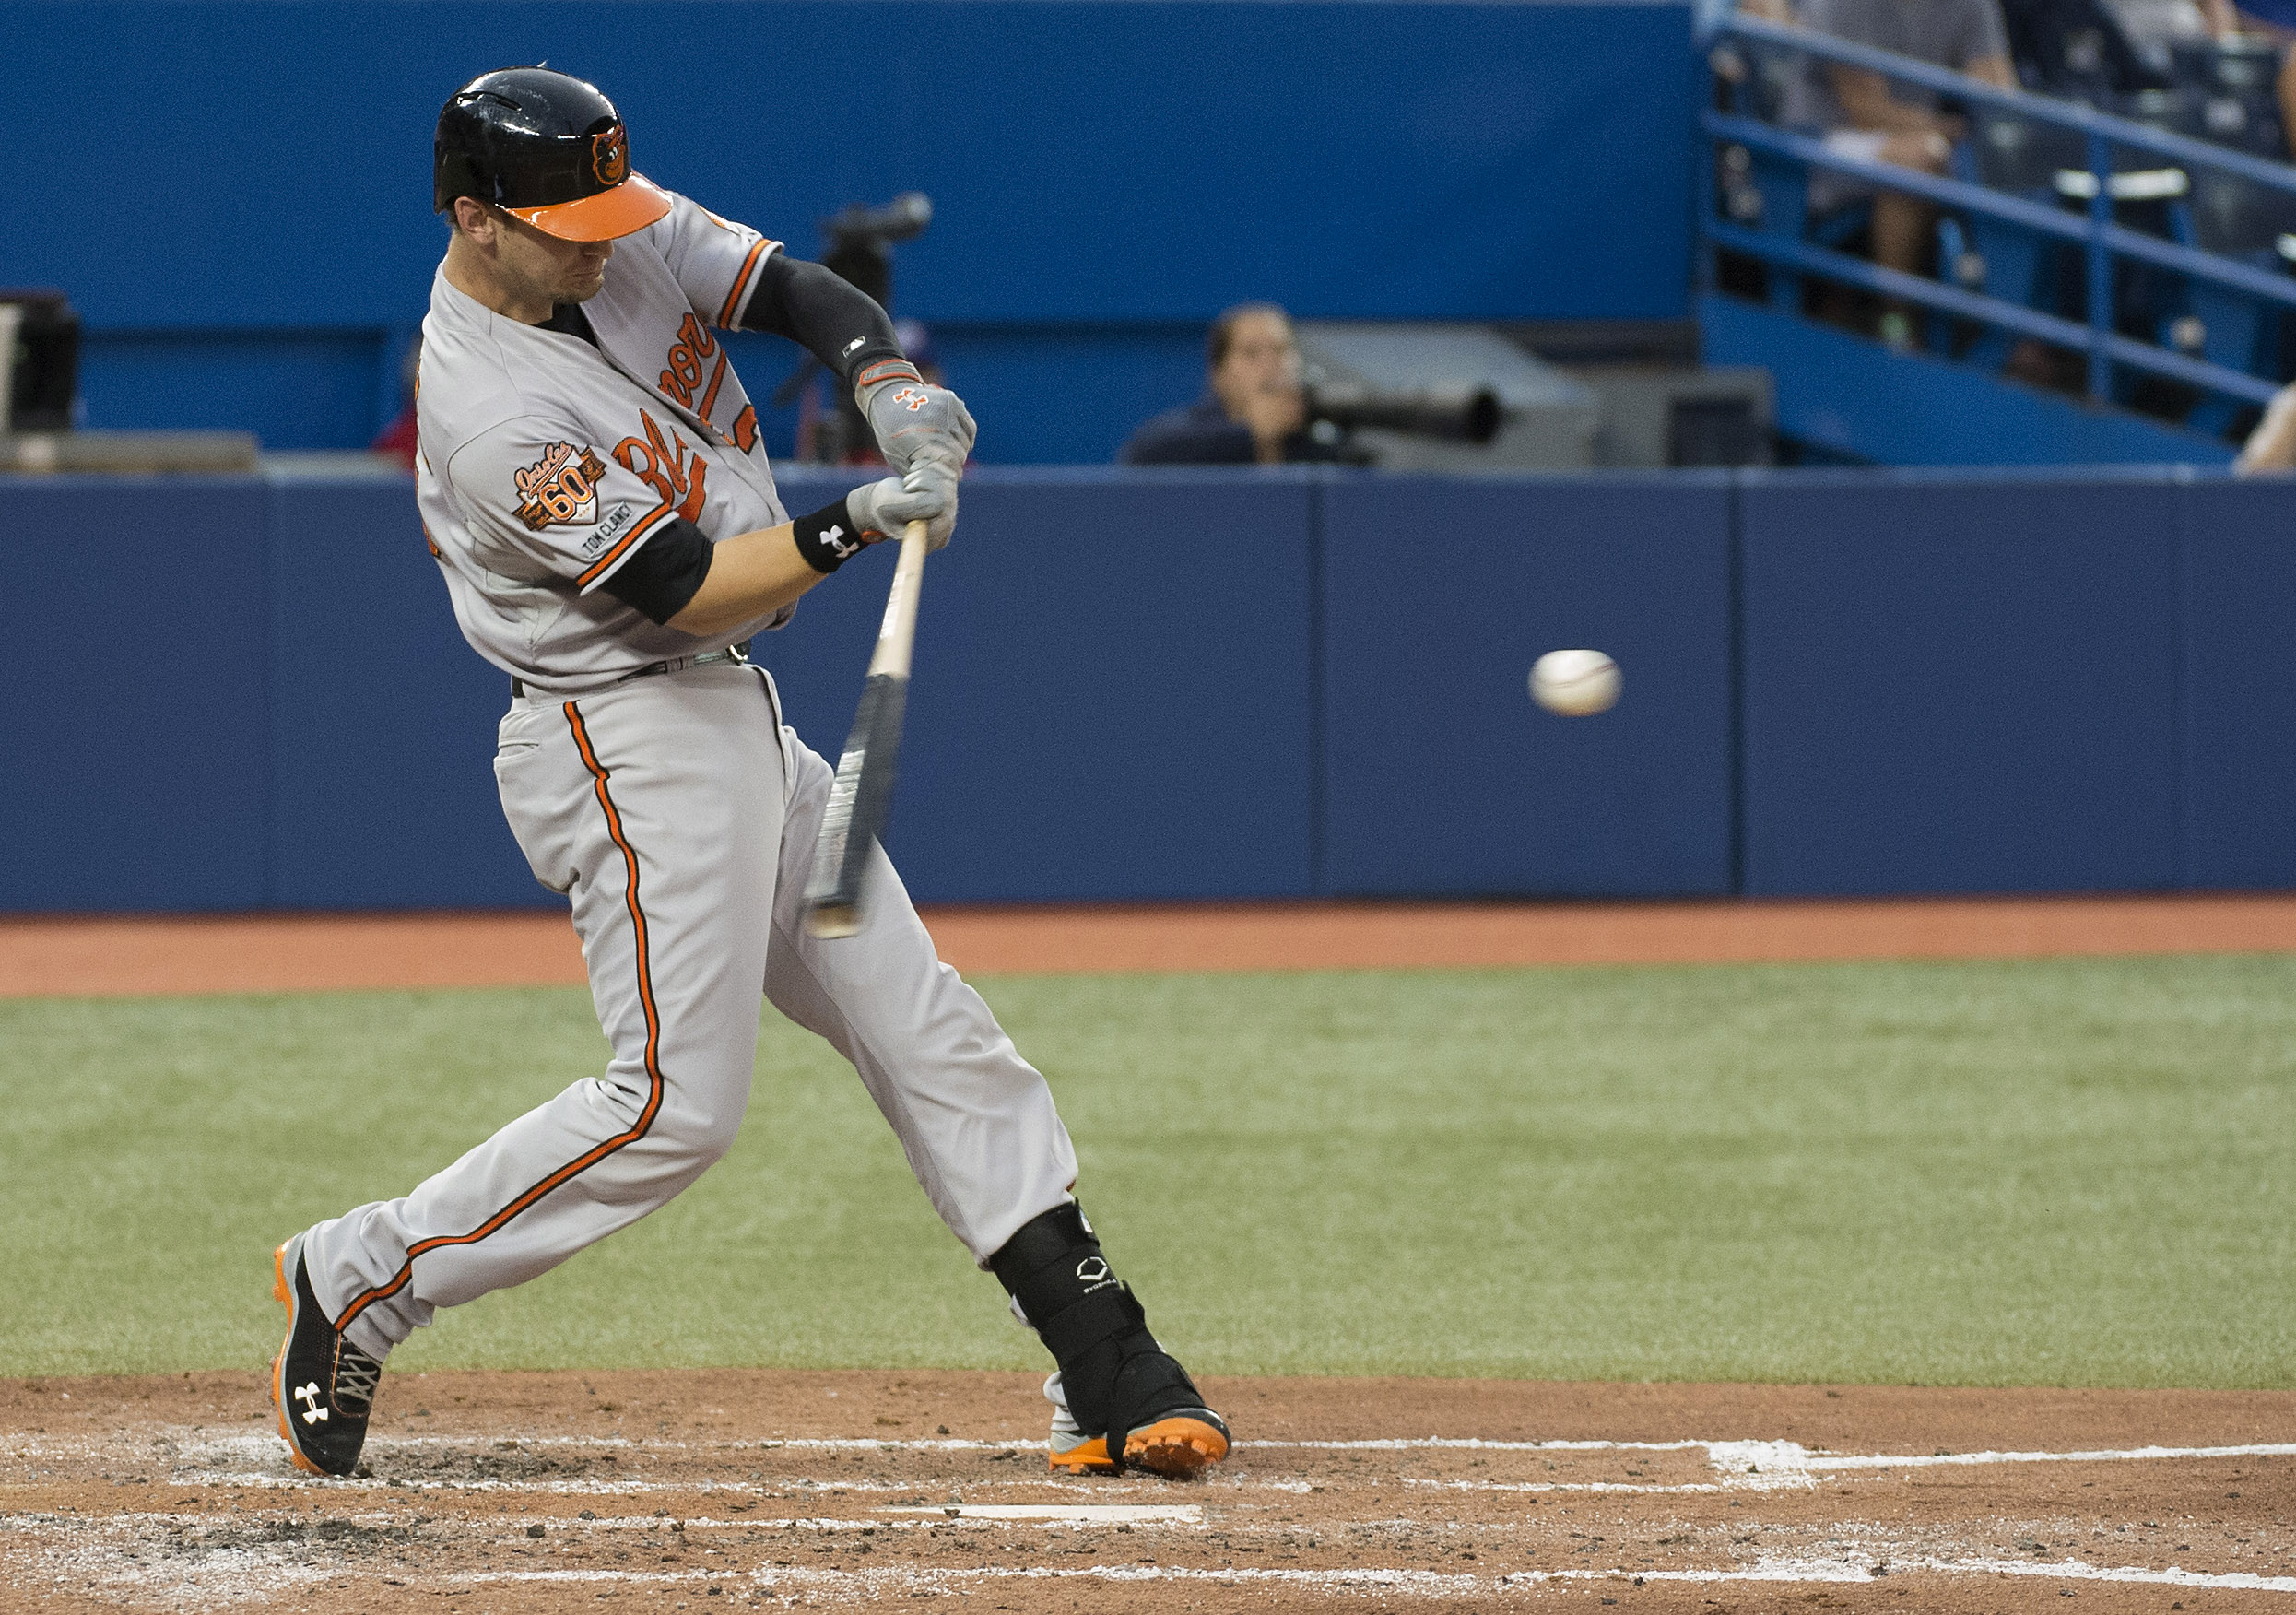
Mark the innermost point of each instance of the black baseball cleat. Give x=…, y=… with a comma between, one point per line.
x=322, y=1385
x=1180, y=1441
x=1120, y=1400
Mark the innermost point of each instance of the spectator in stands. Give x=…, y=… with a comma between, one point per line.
x=397, y=440
x=1865, y=115
x=2272, y=446
x=1254, y=408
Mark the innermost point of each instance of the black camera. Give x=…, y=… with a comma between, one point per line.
x=39, y=360
x=1462, y=414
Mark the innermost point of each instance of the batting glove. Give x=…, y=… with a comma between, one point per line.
x=910, y=416
x=926, y=492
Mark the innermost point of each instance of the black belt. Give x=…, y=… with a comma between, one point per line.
x=737, y=655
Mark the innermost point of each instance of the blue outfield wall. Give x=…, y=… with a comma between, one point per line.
x=1231, y=684
x=1103, y=171
x=1440, y=775
x=1973, y=686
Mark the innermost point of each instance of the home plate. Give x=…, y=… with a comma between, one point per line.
x=1114, y=1514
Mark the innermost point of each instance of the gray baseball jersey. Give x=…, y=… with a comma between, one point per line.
x=546, y=462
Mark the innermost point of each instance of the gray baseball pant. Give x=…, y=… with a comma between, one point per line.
x=678, y=814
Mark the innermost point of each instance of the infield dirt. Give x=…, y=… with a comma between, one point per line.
x=310, y=952
x=716, y=1489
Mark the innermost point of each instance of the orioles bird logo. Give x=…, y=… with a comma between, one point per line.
x=609, y=156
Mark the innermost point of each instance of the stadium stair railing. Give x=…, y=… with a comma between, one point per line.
x=2197, y=299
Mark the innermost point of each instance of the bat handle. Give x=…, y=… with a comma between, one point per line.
x=898, y=636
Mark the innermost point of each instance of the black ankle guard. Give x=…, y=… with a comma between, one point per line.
x=1116, y=1377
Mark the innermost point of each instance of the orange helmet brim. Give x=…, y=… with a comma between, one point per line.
x=624, y=210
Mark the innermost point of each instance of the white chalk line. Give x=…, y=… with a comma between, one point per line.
x=2115, y=1455
x=1785, y=1453
x=946, y=1515
x=1758, y=1466
x=1186, y=1514
x=202, y=1567
x=1373, y=1578
x=1567, y=1486
x=1866, y=1570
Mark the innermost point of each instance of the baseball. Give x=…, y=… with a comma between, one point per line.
x=1578, y=684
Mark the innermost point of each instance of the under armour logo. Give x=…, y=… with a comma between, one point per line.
x=309, y=1395
x=834, y=537
x=1092, y=1271
x=911, y=398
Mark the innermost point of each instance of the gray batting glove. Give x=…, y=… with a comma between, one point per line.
x=926, y=492
x=912, y=417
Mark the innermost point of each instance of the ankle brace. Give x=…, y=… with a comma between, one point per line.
x=1116, y=1377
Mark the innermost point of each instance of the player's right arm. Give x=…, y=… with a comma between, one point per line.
x=548, y=502
x=751, y=574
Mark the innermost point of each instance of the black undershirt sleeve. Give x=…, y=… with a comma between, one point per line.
x=665, y=573
x=823, y=313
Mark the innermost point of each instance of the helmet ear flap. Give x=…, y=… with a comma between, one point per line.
x=452, y=175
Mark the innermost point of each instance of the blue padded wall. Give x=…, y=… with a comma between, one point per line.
x=1200, y=683
x=382, y=717
x=1441, y=775
x=1960, y=682
x=1112, y=693
x=135, y=743
x=2240, y=684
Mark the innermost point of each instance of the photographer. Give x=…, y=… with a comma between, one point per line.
x=1253, y=410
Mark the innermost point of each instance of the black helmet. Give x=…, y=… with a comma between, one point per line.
x=545, y=147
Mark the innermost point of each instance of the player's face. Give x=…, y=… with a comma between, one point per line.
x=545, y=269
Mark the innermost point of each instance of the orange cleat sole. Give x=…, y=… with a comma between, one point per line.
x=1178, y=1448
x=1181, y=1448
x=1091, y=1458
x=286, y=1298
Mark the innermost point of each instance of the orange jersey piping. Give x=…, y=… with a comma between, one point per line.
x=637, y=1129
x=741, y=283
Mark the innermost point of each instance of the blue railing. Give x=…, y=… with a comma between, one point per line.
x=2230, y=300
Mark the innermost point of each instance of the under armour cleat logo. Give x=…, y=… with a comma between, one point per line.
x=309, y=1395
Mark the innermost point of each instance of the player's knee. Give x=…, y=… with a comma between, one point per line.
x=701, y=1133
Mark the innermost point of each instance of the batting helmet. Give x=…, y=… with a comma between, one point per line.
x=545, y=147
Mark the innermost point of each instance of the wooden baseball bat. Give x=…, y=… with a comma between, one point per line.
x=861, y=798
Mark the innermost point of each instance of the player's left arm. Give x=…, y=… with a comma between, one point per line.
x=844, y=328
x=734, y=278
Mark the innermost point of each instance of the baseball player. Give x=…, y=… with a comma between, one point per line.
x=592, y=485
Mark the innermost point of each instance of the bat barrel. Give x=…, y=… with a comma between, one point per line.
x=861, y=801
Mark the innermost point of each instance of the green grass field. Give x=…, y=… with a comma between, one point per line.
x=2064, y=1172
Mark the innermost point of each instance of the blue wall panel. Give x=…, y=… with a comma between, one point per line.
x=133, y=751
x=1089, y=160
x=292, y=389
x=1112, y=694
x=1441, y=776
x=1959, y=683
x=2240, y=684
x=1068, y=395
x=382, y=716
x=1092, y=164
